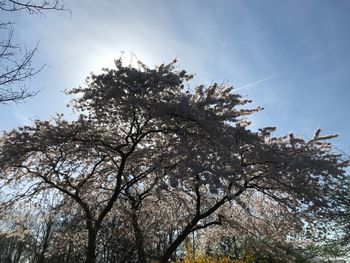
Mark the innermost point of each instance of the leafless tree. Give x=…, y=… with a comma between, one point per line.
x=15, y=60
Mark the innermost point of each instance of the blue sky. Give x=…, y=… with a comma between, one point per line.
x=291, y=57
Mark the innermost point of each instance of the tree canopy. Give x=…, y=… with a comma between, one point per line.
x=148, y=156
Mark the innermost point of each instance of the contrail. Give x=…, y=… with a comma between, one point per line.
x=258, y=81
x=321, y=53
x=307, y=59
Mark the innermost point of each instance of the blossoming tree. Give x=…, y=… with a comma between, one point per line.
x=140, y=134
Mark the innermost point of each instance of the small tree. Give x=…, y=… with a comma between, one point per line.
x=140, y=135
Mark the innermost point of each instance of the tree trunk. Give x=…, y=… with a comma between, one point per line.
x=45, y=243
x=172, y=248
x=91, y=247
x=141, y=255
x=189, y=228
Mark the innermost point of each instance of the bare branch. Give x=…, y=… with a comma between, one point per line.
x=36, y=7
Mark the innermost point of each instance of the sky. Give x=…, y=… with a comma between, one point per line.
x=290, y=57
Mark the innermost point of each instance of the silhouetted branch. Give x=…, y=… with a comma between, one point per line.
x=13, y=71
x=16, y=62
x=32, y=7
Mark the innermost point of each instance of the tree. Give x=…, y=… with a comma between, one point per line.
x=16, y=62
x=140, y=137
x=342, y=218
